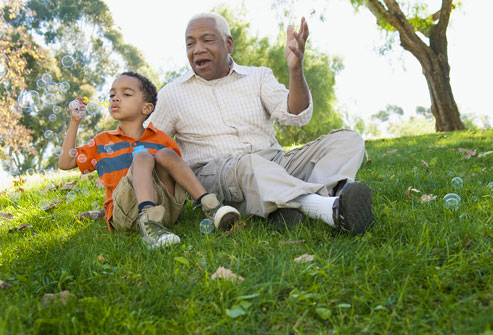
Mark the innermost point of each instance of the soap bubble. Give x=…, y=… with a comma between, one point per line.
x=74, y=104
x=452, y=201
x=93, y=107
x=81, y=158
x=64, y=87
x=457, y=182
x=40, y=83
x=46, y=77
x=108, y=148
x=57, y=109
x=82, y=108
x=49, y=134
x=52, y=117
x=91, y=142
x=51, y=86
x=44, y=204
x=72, y=152
x=50, y=99
x=15, y=196
x=58, y=151
x=28, y=99
x=71, y=196
x=94, y=162
x=490, y=185
x=206, y=226
x=67, y=61
x=84, y=191
x=30, y=171
x=95, y=205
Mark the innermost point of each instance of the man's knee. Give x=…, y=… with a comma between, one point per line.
x=348, y=138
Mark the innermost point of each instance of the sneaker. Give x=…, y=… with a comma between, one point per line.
x=153, y=233
x=352, y=209
x=223, y=216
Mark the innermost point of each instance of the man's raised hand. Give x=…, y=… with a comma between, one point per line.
x=295, y=45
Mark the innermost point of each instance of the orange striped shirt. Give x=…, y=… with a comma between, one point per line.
x=110, y=153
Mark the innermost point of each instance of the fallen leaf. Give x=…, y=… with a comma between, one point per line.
x=469, y=153
x=304, y=258
x=427, y=197
x=389, y=152
x=93, y=215
x=69, y=185
x=6, y=215
x=292, y=241
x=425, y=164
x=62, y=298
x=51, y=205
x=22, y=226
x=19, y=181
x=50, y=187
x=410, y=190
x=368, y=160
x=101, y=258
x=227, y=274
x=484, y=154
x=5, y=285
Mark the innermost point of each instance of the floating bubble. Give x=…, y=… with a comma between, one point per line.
x=95, y=205
x=30, y=171
x=452, y=201
x=49, y=134
x=72, y=152
x=82, y=158
x=40, y=83
x=490, y=185
x=46, y=77
x=206, y=226
x=15, y=197
x=82, y=108
x=67, y=61
x=93, y=108
x=71, y=196
x=51, y=86
x=91, y=142
x=28, y=99
x=57, y=109
x=74, y=104
x=108, y=148
x=75, y=113
x=474, y=198
x=457, y=182
x=203, y=262
x=58, y=151
x=44, y=204
x=52, y=117
x=94, y=162
x=64, y=86
x=85, y=191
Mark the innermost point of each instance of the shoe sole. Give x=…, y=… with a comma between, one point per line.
x=355, y=207
x=225, y=217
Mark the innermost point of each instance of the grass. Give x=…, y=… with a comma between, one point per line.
x=423, y=269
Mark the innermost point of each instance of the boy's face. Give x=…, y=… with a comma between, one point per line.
x=207, y=51
x=127, y=100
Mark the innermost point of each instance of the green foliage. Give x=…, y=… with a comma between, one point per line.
x=422, y=269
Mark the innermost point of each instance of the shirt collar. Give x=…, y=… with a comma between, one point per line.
x=233, y=67
x=118, y=131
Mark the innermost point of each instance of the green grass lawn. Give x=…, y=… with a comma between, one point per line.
x=423, y=269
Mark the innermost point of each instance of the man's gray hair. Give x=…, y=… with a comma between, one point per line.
x=221, y=23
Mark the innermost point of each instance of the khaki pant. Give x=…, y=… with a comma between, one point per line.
x=125, y=210
x=260, y=182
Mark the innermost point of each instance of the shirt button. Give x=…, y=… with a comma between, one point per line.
x=134, y=144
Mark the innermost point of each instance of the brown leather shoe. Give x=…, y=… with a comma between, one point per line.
x=352, y=209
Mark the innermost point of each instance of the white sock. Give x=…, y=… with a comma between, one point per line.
x=317, y=207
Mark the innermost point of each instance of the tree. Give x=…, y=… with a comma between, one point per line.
x=413, y=29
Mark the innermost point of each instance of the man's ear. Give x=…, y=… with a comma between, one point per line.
x=148, y=108
x=229, y=44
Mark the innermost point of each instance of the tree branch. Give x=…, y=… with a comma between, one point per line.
x=444, y=17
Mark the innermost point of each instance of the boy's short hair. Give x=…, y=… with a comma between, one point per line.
x=146, y=86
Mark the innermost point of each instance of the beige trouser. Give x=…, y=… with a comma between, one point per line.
x=125, y=207
x=260, y=182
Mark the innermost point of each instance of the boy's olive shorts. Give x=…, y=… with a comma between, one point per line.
x=125, y=207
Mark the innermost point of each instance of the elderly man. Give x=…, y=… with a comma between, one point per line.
x=221, y=114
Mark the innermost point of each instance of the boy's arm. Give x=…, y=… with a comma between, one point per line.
x=65, y=161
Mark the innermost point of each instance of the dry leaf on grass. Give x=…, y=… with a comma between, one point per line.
x=239, y=225
x=484, y=154
x=425, y=164
x=389, y=152
x=62, y=298
x=93, y=215
x=227, y=274
x=469, y=153
x=304, y=258
x=5, y=285
x=427, y=197
x=51, y=205
x=69, y=185
x=410, y=190
x=368, y=160
x=101, y=258
x=22, y=226
x=6, y=215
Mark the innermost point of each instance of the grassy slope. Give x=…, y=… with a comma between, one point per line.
x=422, y=269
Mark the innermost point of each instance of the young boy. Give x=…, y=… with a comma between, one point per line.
x=141, y=168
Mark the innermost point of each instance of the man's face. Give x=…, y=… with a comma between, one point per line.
x=207, y=51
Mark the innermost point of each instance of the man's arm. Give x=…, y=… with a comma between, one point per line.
x=299, y=93
x=65, y=161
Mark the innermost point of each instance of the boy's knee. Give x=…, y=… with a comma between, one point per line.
x=142, y=158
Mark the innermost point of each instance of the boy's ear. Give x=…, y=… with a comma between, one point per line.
x=148, y=108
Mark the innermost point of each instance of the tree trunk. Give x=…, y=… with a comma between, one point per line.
x=433, y=58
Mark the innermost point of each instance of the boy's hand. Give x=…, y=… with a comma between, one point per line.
x=77, y=109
